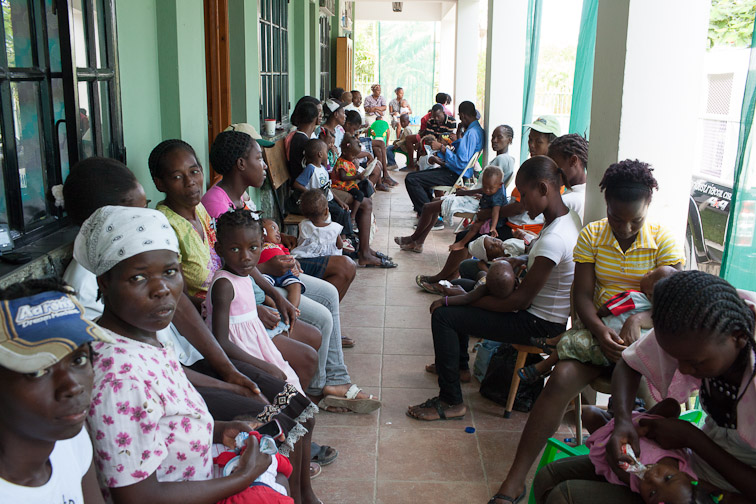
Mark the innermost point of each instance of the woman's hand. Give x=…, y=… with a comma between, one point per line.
x=343, y=205
x=226, y=432
x=436, y=145
x=631, y=330
x=252, y=463
x=437, y=304
x=611, y=343
x=281, y=264
x=624, y=433
x=288, y=241
x=288, y=311
x=269, y=318
x=247, y=386
x=669, y=433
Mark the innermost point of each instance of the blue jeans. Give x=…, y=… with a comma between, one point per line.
x=390, y=156
x=319, y=307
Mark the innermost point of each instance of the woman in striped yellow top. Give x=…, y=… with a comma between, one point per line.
x=611, y=256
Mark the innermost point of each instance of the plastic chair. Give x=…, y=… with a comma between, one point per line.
x=447, y=190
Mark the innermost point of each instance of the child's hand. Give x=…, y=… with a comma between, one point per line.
x=269, y=318
x=493, y=233
x=297, y=269
x=360, y=176
x=456, y=246
x=369, y=157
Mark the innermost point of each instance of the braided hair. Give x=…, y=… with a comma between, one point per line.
x=570, y=145
x=542, y=168
x=96, y=182
x=34, y=286
x=227, y=148
x=234, y=219
x=694, y=301
x=508, y=131
x=629, y=180
x=156, y=159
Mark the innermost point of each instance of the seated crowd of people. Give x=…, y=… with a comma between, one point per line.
x=187, y=349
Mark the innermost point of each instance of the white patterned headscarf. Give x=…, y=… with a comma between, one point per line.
x=114, y=233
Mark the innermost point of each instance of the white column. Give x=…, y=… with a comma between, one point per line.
x=505, y=69
x=649, y=59
x=466, y=52
x=446, y=34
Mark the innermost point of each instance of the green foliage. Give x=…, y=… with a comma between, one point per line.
x=731, y=23
x=366, y=52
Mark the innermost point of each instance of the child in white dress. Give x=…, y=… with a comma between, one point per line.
x=318, y=236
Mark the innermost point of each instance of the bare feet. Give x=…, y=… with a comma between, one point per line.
x=464, y=374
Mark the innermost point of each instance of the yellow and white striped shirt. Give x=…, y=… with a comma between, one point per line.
x=618, y=271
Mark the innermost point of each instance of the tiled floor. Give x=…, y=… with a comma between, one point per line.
x=386, y=457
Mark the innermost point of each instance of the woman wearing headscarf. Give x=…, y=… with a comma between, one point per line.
x=151, y=428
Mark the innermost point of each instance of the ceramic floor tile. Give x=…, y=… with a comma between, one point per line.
x=364, y=369
x=407, y=371
x=345, y=491
x=395, y=403
x=409, y=317
x=399, y=492
x=368, y=340
x=363, y=316
x=424, y=455
x=357, y=450
x=399, y=341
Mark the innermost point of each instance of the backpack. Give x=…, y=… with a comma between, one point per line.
x=495, y=385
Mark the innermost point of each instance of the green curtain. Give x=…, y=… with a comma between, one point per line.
x=582, y=87
x=532, y=43
x=740, y=249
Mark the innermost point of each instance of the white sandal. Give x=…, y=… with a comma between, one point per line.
x=350, y=401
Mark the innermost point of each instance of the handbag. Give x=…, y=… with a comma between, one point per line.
x=498, y=379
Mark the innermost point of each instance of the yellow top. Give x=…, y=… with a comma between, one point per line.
x=618, y=271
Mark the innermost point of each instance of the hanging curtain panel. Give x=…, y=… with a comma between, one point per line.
x=533, y=37
x=582, y=89
x=740, y=248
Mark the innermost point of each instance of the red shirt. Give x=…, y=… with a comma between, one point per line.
x=271, y=250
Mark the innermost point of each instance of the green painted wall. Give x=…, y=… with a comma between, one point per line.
x=140, y=92
x=245, y=62
x=162, y=79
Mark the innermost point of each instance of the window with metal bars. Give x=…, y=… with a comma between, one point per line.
x=59, y=103
x=325, y=56
x=274, y=52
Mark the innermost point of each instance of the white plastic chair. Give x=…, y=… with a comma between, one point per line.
x=473, y=163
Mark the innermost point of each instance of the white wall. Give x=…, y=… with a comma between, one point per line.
x=505, y=69
x=645, y=97
x=466, y=52
x=411, y=11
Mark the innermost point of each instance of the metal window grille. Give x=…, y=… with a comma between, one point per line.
x=274, y=48
x=325, y=56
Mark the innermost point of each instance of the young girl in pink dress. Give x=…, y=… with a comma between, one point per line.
x=230, y=303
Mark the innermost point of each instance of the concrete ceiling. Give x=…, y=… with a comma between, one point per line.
x=412, y=10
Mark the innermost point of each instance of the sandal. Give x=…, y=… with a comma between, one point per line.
x=350, y=401
x=320, y=454
x=383, y=256
x=543, y=345
x=315, y=470
x=529, y=374
x=409, y=247
x=385, y=263
x=423, y=283
x=513, y=500
x=434, y=403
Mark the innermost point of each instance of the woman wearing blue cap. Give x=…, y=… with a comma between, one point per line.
x=45, y=392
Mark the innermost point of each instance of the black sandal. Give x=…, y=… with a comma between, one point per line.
x=434, y=402
x=383, y=256
x=547, y=348
x=513, y=500
x=529, y=374
x=320, y=454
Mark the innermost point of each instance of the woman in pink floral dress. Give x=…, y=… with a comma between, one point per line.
x=151, y=429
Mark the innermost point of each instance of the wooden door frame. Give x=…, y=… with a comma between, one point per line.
x=217, y=71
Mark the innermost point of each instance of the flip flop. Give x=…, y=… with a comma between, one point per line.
x=385, y=263
x=315, y=470
x=350, y=401
x=513, y=500
x=423, y=283
x=320, y=454
x=383, y=256
x=434, y=402
x=408, y=247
